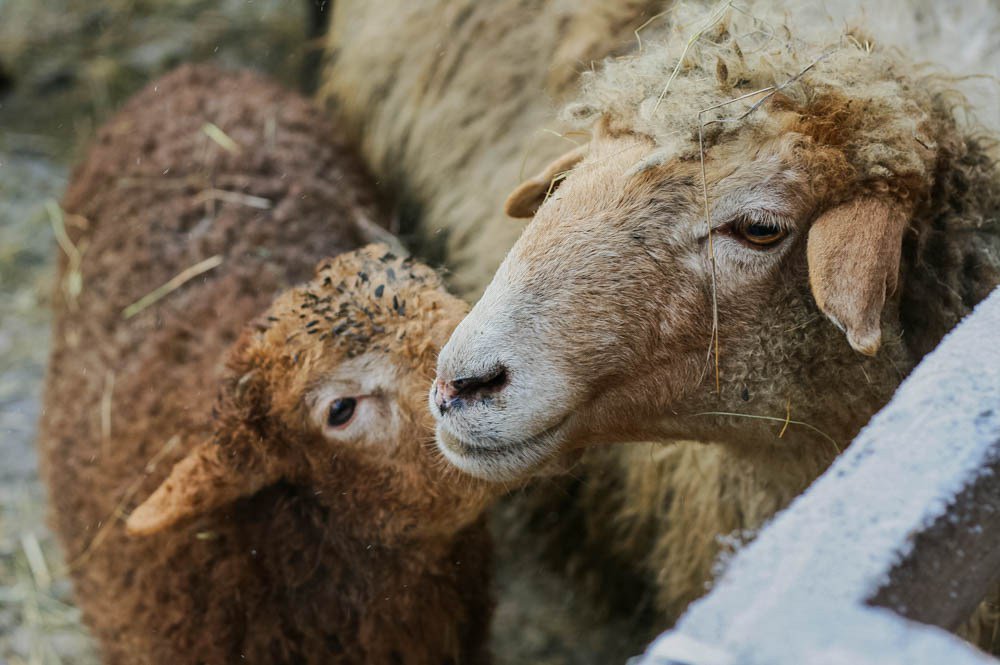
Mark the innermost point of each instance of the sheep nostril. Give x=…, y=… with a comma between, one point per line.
x=475, y=388
x=442, y=396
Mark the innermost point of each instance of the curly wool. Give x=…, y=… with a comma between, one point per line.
x=692, y=74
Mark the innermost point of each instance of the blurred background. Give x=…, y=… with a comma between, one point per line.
x=64, y=66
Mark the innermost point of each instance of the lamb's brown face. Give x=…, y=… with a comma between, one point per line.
x=347, y=361
x=599, y=324
x=341, y=354
x=328, y=391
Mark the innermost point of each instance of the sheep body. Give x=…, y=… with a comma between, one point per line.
x=205, y=163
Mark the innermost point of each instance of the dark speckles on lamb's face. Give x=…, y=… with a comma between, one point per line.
x=358, y=332
x=330, y=394
x=344, y=389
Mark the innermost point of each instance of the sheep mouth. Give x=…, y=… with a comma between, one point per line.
x=505, y=462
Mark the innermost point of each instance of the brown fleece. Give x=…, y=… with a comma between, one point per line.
x=347, y=554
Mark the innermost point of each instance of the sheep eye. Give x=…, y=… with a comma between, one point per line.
x=341, y=412
x=759, y=234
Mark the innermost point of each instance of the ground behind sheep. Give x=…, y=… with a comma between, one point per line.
x=64, y=66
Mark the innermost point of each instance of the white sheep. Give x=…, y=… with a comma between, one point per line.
x=758, y=274
x=449, y=124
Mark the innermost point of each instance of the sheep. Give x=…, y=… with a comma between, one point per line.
x=448, y=125
x=769, y=227
x=302, y=515
x=453, y=100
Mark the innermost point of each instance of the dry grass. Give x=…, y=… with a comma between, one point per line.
x=45, y=627
x=73, y=281
x=786, y=421
x=225, y=142
x=179, y=280
x=761, y=96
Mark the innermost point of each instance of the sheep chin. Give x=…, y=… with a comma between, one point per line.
x=507, y=463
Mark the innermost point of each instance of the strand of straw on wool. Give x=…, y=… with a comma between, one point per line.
x=215, y=133
x=767, y=93
x=788, y=417
x=787, y=420
x=73, y=284
x=177, y=282
x=642, y=27
x=106, y=404
x=713, y=18
x=714, y=343
x=226, y=196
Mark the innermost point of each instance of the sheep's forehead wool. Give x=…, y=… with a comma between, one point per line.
x=369, y=300
x=691, y=73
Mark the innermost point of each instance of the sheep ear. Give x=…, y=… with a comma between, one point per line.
x=200, y=482
x=853, y=253
x=530, y=194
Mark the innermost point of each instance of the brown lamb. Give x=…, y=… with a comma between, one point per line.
x=309, y=519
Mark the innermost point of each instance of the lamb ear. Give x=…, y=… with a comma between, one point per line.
x=853, y=253
x=525, y=200
x=197, y=484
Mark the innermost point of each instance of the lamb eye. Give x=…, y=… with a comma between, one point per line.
x=341, y=412
x=760, y=234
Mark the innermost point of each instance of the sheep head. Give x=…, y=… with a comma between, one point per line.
x=728, y=276
x=327, y=390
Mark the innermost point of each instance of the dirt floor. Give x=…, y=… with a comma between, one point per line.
x=64, y=66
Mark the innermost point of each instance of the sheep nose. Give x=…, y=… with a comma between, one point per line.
x=469, y=389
